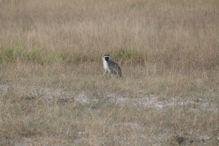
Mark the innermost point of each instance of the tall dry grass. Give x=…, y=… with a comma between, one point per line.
x=173, y=35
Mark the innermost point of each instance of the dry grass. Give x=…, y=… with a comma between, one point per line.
x=52, y=91
x=171, y=34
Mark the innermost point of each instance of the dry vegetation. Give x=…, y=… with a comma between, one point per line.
x=52, y=91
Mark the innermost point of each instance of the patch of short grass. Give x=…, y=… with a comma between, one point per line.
x=129, y=56
x=46, y=56
x=36, y=55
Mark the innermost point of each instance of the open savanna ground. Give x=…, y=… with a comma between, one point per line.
x=52, y=88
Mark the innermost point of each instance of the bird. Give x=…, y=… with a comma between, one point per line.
x=111, y=67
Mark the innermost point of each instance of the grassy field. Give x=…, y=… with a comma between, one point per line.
x=52, y=88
